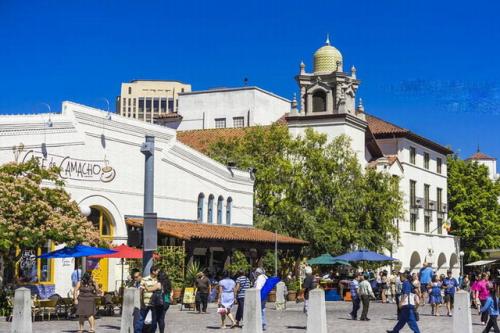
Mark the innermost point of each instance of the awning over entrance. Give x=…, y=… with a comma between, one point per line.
x=481, y=262
x=207, y=234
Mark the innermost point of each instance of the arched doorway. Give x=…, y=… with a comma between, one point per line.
x=441, y=261
x=103, y=221
x=453, y=261
x=415, y=260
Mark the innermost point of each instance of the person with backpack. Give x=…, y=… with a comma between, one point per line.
x=160, y=302
x=148, y=285
x=491, y=307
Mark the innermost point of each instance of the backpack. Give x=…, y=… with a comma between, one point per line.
x=157, y=298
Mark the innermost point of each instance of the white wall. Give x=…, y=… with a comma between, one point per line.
x=180, y=172
x=200, y=109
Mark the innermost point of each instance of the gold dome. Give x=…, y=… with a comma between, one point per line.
x=327, y=59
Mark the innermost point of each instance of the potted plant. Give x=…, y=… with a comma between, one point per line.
x=293, y=287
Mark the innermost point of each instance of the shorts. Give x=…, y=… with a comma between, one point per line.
x=423, y=288
x=449, y=298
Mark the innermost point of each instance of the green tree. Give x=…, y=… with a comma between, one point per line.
x=315, y=190
x=35, y=208
x=473, y=207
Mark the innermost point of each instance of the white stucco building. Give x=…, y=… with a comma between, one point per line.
x=198, y=201
x=327, y=103
x=488, y=161
x=226, y=108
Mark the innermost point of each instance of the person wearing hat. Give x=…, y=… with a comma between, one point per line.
x=260, y=281
x=203, y=288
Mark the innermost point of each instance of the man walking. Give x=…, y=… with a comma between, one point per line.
x=425, y=278
x=409, y=304
x=354, y=288
x=308, y=285
x=450, y=285
x=242, y=284
x=202, y=285
x=260, y=281
x=365, y=292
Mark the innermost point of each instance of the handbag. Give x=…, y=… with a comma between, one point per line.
x=157, y=298
x=166, y=298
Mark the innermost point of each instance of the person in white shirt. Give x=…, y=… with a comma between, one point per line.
x=260, y=281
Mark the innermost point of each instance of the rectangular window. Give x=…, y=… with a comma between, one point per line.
x=238, y=122
x=439, y=199
x=171, y=104
x=147, y=111
x=427, y=224
x=413, y=193
x=427, y=203
x=413, y=154
x=156, y=105
x=439, y=163
x=134, y=101
x=426, y=160
x=413, y=222
x=440, y=226
x=220, y=123
x=163, y=105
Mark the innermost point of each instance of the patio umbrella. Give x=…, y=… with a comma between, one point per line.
x=124, y=252
x=76, y=252
x=364, y=255
x=327, y=259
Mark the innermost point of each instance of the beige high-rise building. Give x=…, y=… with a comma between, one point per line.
x=149, y=99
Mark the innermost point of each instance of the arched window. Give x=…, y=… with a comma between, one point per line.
x=101, y=220
x=228, y=210
x=220, y=203
x=319, y=101
x=210, y=209
x=201, y=197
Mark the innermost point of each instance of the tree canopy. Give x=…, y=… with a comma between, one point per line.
x=309, y=188
x=473, y=207
x=35, y=208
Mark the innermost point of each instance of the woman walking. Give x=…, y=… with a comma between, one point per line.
x=491, y=307
x=226, y=299
x=483, y=292
x=242, y=284
x=159, y=310
x=435, y=298
x=84, y=295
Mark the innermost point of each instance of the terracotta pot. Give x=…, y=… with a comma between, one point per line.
x=300, y=296
x=292, y=296
x=177, y=295
x=272, y=296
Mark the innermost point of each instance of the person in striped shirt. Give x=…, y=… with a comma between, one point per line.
x=242, y=284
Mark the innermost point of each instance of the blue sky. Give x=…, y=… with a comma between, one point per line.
x=430, y=66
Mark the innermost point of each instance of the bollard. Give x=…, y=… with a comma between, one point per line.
x=462, y=320
x=252, y=312
x=316, y=314
x=130, y=309
x=21, y=314
x=280, y=303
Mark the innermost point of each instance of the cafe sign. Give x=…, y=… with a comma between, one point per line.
x=74, y=168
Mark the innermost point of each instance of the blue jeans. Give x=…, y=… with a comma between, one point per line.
x=264, y=321
x=139, y=321
x=407, y=316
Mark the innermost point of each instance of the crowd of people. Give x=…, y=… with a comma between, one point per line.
x=411, y=291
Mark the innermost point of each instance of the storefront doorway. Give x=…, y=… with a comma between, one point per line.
x=102, y=220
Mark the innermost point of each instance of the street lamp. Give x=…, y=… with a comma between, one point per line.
x=461, y=254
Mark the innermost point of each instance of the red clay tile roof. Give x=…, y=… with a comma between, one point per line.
x=168, y=115
x=193, y=230
x=201, y=140
x=481, y=156
x=382, y=129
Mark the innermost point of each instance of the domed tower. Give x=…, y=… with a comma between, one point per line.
x=327, y=99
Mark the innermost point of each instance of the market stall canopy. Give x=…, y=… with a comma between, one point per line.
x=327, y=259
x=76, y=252
x=481, y=262
x=364, y=255
x=122, y=251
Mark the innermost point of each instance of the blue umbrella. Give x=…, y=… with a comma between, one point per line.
x=76, y=251
x=364, y=255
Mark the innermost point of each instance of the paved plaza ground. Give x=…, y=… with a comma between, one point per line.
x=290, y=321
